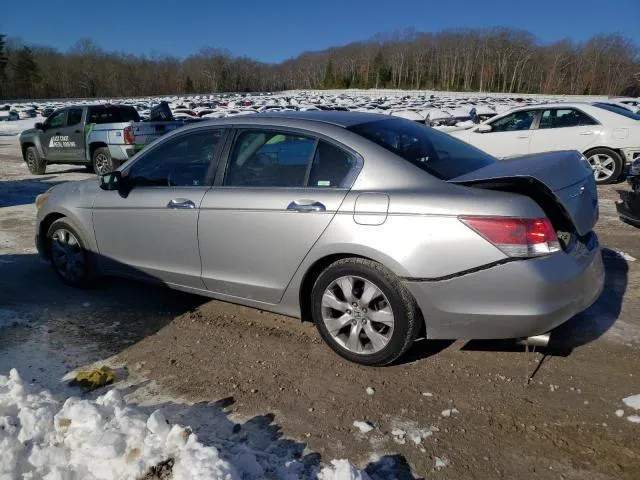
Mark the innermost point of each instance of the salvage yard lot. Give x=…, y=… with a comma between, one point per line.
x=272, y=376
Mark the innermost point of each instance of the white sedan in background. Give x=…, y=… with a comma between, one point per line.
x=608, y=136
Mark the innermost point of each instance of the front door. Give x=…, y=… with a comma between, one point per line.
x=51, y=137
x=71, y=137
x=279, y=193
x=509, y=135
x=152, y=232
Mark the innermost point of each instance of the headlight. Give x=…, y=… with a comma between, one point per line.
x=42, y=199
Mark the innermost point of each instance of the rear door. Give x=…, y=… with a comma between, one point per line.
x=509, y=135
x=152, y=232
x=564, y=129
x=72, y=137
x=280, y=190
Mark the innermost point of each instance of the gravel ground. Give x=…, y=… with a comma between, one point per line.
x=466, y=403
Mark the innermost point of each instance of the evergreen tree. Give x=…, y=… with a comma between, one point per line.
x=329, y=77
x=26, y=74
x=188, y=85
x=3, y=65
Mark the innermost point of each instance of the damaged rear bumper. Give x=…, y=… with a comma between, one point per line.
x=515, y=299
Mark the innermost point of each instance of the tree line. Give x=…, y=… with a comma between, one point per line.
x=493, y=60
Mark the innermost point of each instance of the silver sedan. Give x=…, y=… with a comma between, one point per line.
x=376, y=228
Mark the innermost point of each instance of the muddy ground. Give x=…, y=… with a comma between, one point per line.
x=275, y=374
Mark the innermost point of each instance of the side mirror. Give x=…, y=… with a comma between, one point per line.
x=484, y=128
x=112, y=181
x=39, y=125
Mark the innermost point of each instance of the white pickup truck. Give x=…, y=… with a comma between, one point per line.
x=99, y=136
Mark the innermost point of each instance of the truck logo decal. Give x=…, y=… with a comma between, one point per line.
x=61, y=141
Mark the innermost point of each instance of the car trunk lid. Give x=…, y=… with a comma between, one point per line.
x=562, y=176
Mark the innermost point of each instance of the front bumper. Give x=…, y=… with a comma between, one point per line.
x=629, y=205
x=517, y=299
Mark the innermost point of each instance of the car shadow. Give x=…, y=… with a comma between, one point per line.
x=583, y=328
x=24, y=192
x=423, y=348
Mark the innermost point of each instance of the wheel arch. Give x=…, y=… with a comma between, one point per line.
x=93, y=147
x=615, y=150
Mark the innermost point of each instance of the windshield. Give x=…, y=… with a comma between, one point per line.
x=619, y=110
x=434, y=152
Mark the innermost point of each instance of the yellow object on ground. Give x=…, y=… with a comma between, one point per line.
x=92, y=379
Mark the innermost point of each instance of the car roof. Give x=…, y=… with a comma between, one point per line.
x=340, y=119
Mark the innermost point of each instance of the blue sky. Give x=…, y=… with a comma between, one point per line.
x=272, y=30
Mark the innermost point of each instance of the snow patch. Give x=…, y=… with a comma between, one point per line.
x=626, y=256
x=633, y=401
x=620, y=413
x=441, y=462
x=40, y=437
x=634, y=418
x=448, y=412
x=364, y=427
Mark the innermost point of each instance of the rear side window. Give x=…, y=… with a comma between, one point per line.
x=514, y=122
x=74, y=117
x=564, y=117
x=269, y=159
x=113, y=115
x=435, y=152
x=331, y=166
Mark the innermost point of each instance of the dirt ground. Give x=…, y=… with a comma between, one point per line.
x=274, y=372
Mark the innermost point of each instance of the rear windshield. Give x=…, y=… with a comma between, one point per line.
x=113, y=115
x=434, y=152
x=619, y=110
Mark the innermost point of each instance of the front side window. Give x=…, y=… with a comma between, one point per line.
x=514, y=122
x=182, y=161
x=564, y=117
x=261, y=158
x=56, y=120
x=75, y=117
x=437, y=153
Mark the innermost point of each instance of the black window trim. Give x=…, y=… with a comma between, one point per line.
x=82, y=114
x=349, y=178
x=568, y=107
x=211, y=170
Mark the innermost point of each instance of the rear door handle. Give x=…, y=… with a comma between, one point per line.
x=181, y=203
x=522, y=136
x=306, y=206
x=588, y=132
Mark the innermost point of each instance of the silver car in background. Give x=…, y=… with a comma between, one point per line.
x=378, y=229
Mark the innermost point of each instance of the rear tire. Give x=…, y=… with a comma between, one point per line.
x=364, y=312
x=102, y=162
x=607, y=165
x=35, y=163
x=68, y=254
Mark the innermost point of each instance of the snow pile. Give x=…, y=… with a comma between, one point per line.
x=107, y=439
x=633, y=402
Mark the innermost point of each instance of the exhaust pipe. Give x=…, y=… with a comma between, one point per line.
x=536, y=340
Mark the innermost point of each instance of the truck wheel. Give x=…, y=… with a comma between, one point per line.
x=35, y=163
x=363, y=312
x=102, y=161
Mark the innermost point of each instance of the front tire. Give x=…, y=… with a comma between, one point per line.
x=363, y=312
x=102, y=162
x=35, y=163
x=68, y=254
x=607, y=165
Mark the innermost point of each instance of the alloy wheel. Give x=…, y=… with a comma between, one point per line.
x=603, y=166
x=357, y=314
x=67, y=255
x=102, y=164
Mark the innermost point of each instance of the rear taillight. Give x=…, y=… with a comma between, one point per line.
x=128, y=135
x=516, y=237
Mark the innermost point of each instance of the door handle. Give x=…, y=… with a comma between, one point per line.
x=522, y=136
x=77, y=131
x=588, y=132
x=181, y=203
x=306, y=206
